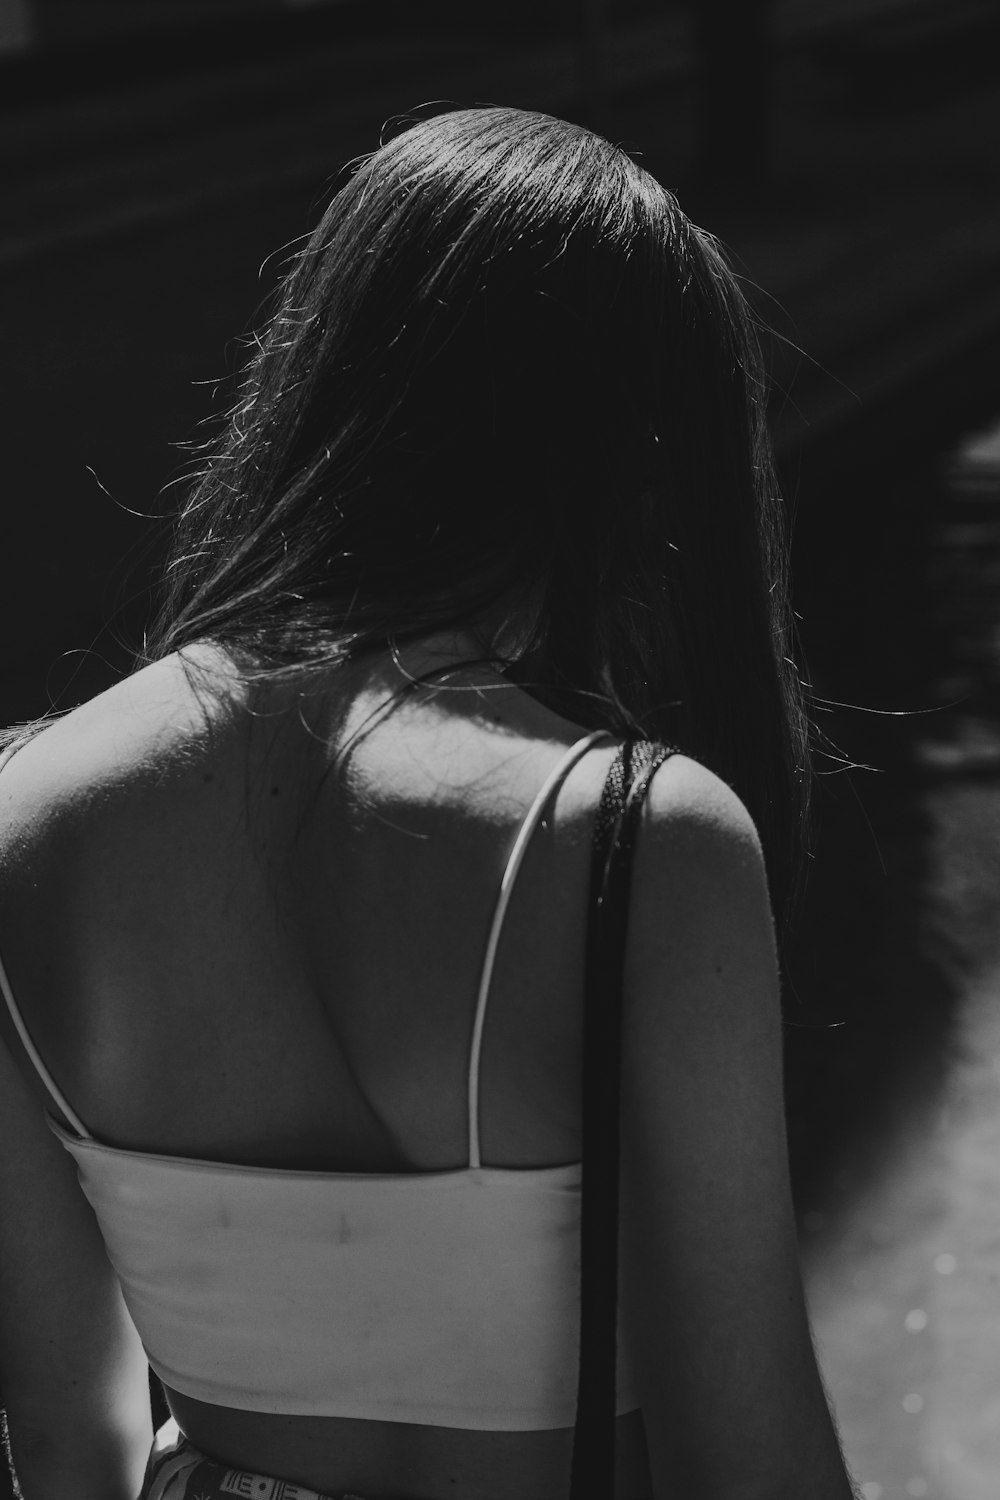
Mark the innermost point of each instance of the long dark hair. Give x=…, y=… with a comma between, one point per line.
x=505, y=360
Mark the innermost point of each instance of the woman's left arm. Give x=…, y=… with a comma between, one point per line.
x=73, y=1374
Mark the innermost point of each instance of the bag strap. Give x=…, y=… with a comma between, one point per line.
x=615, y=828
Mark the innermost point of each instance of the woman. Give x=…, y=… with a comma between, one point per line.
x=496, y=494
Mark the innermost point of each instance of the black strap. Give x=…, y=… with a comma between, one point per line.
x=615, y=830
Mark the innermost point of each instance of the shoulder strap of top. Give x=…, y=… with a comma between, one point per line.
x=616, y=827
x=534, y=815
x=54, y=1091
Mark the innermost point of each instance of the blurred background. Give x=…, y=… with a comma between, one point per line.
x=160, y=157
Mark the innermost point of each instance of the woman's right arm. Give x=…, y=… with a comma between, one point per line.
x=73, y=1371
x=711, y=1286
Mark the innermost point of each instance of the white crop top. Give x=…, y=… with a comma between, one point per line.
x=447, y=1298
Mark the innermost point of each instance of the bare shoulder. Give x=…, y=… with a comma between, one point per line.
x=105, y=757
x=688, y=801
x=701, y=927
x=107, y=816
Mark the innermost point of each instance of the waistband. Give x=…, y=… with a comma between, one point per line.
x=177, y=1470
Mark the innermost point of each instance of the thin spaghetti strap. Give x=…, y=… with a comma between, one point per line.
x=53, y=1089
x=535, y=812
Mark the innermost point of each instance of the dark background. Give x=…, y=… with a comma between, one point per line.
x=157, y=155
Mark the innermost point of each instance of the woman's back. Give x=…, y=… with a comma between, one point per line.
x=225, y=951
x=221, y=956
x=510, y=394
x=296, y=951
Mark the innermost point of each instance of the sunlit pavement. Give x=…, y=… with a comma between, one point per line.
x=903, y=1271
x=905, y=1291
